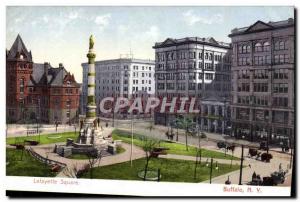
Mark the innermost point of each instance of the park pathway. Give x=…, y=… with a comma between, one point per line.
x=47, y=152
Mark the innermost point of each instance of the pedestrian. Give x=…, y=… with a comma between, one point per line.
x=106, y=124
x=249, y=166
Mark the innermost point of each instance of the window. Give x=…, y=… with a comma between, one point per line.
x=280, y=74
x=266, y=47
x=258, y=47
x=280, y=116
x=206, y=56
x=248, y=48
x=260, y=101
x=192, y=86
x=22, y=85
x=243, y=61
x=243, y=87
x=261, y=74
x=280, y=45
x=280, y=101
x=258, y=60
x=260, y=87
x=200, y=55
x=209, y=76
x=280, y=88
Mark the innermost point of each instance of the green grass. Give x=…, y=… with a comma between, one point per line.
x=174, y=148
x=171, y=170
x=120, y=150
x=44, y=139
x=28, y=166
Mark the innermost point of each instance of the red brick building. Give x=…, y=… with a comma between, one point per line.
x=38, y=92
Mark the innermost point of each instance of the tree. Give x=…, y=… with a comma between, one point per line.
x=94, y=156
x=148, y=147
x=185, y=123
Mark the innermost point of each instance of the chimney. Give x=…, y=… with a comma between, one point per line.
x=61, y=65
x=46, y=68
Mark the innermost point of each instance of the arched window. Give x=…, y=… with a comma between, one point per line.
x=244, y=48
x=211, y=56
x=258, y=47
x=266, y=46
x=248, y=48
x=220, y=111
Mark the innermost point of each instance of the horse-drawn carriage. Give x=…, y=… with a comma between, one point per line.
x=262, y=156
x=226, y=146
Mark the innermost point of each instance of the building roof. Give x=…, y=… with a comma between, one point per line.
x=259, y=26
x=53, y=76
x=18, y=48
x=123, y=60
x=205, y=41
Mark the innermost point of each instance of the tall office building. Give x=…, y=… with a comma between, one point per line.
x=193, y=67
x=263, y=81
x=123, y=77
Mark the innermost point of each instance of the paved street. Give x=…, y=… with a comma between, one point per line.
x=21, y=130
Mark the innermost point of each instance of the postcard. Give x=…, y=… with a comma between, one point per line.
x=153, y=101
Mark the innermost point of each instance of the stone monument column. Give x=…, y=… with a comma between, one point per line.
x=91, y=103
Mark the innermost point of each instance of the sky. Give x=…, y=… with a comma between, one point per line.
x=60, y=34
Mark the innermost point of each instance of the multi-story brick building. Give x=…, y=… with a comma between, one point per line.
x=193, y=67
x=263, y=79
x=123, y=77
x=38, y=92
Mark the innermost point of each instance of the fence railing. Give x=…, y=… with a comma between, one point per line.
x=43, y=159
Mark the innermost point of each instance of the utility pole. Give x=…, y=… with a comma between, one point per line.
x=211, y=167
x=241, y=165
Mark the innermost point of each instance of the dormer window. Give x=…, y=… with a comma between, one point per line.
x=68, y=83
x=21, y=57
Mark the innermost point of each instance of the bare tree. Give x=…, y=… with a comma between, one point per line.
x=148, y=147
x=94, y=157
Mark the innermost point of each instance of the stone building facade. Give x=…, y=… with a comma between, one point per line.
x=263, y=81
x=38, y=92
x=191, y=67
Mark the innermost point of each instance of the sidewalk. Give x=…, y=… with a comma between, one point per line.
x=45, y=150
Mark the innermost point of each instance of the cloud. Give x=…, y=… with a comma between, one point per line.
x=19, y=20
x=191, y=18
x=153, y=32
x=123, y=28
x=73, y=15
x=103, y=20
x=45, y=19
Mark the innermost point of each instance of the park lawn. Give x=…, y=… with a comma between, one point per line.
x=28, y=166
x=44, y=139
x=171, y=170
x=174, y=148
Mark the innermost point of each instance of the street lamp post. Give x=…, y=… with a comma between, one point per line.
x=241, y=166
x=211, y=167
